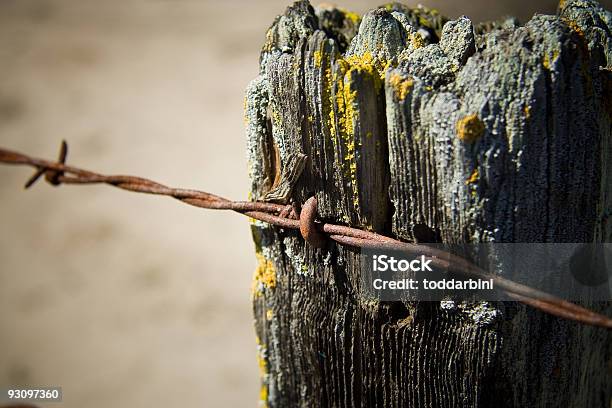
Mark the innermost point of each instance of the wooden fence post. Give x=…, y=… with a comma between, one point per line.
x=436, y=131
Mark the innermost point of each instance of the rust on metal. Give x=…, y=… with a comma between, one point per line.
x=308, y=228
x=315, y=233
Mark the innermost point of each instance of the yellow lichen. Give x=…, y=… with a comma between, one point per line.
x=245, y=112
x=574, y=27
x=276, y=117
x=527, y=111
x=341, y=106
x=263, y=372
x=264, y=276
x=263, y=396
x=548, y=59
x=269, y=314
x=346, y=103
x=366, y=63
x=473, y=178
x=470, y=128
x=368, y=68
x=269, y=43
x=328, y=104
x=317, y=56
x=401, y=87
x=352, y=17
x=417, y=40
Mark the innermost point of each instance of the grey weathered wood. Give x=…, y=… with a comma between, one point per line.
x=424, y=129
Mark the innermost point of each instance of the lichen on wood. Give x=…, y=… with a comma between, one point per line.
x=435, y=131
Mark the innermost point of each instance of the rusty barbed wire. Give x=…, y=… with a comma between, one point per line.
x=314, y=232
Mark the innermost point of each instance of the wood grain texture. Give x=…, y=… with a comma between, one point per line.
x=429, y=130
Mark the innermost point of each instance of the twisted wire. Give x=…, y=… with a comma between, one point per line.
x=314, y=232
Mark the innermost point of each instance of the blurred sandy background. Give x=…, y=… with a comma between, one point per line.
x=121, y=299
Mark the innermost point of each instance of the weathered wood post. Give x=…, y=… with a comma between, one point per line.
x=435, y=131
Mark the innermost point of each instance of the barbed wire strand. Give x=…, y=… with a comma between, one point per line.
x=314, y=232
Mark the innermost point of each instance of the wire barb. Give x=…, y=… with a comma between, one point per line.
x=314, y=233
x=52, y=176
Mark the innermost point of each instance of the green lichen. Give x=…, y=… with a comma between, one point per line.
x=420, y=17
